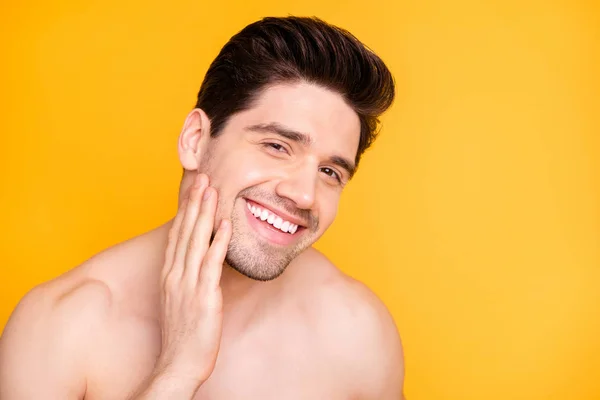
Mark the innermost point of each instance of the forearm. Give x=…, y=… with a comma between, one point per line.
x=166, y=386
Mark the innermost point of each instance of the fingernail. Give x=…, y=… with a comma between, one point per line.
x=207, y=193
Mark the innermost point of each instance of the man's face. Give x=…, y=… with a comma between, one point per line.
x=279, y=169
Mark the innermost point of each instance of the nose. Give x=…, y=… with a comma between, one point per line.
x=299, y=185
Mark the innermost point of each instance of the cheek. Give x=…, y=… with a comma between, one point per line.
x=232, y=175
x=245, y=166
x=252, y=175
x=253, y=170
x=328, y=209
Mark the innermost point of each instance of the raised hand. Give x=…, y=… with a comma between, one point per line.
x=191, y=299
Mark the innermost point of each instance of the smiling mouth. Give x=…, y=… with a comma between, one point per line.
x=272, y=218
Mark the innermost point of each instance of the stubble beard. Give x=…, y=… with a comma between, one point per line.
x=254, y=257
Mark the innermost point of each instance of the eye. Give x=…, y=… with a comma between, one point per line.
x=331, y=173
x=279, y=148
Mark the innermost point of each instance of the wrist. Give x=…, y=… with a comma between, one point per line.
x=183, y=373
x=185, y=377
x=169, y=383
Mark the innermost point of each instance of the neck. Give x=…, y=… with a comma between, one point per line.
x=237, y=289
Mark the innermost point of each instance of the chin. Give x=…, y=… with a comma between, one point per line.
x=258, y=266
x=255, y=252
x=259, y=260
x=257, y=274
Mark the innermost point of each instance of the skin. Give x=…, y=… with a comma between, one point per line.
x=163, y=315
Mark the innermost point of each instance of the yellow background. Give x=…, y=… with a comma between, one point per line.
x=475, y=216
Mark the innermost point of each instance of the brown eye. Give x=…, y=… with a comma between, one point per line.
x=331, y=173
x=276, y=146
x=273, y=147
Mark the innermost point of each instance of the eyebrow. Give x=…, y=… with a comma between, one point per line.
x=303, y=139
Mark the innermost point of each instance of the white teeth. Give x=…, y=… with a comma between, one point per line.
x=264, y=215
x=269, y=217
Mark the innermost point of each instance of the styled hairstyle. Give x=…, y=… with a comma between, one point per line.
x=294, y=49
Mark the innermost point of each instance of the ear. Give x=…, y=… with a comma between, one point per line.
x=193, y=139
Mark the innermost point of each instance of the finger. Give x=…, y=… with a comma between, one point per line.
x=200, y=238
x=212, y=266
x=172, y=238
x=189, y=219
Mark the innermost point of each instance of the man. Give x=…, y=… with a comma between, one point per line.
x=228, y=300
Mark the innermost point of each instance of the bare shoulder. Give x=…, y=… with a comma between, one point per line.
x=53, y=337
x=357, y=331
x=44, y=344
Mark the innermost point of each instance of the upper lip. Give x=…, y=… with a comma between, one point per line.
x=282, y=214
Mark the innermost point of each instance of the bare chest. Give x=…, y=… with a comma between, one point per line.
x=261, y=366
x=281, y=372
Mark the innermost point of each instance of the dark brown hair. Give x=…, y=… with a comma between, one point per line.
x=276, y=50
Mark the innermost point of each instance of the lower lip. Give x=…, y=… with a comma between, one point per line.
x=269, y=232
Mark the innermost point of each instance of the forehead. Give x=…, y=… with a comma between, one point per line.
x=321, y=113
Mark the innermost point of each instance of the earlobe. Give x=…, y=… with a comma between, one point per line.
x=193, y=138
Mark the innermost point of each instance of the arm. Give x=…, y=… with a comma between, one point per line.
x=192, y=303
x=44, y=344
x=371, y=353
x=166, y=385
x=386, y=377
